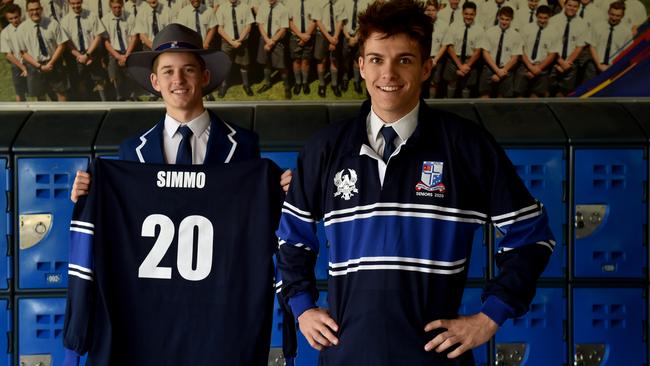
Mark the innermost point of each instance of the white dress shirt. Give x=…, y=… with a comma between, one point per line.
x=200, y=127
x=404, y=128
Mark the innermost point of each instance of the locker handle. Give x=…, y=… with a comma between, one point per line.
x=276, y=357
x=588, y=218
x=589, y=354
x=510, y=354
x=33, y=228
x=35, y=360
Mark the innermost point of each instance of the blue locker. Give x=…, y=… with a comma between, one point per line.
x=276, y=330
x=308, y=356
x=532, y=336
x=287, y=160
x=610, y=213
x=5, y=327
x=478, y=261
x=284, y=159
x=40, y=328
x=543, y=173
x=608, y=324
x=44, y=212
x=5, y=224
x=471, y=304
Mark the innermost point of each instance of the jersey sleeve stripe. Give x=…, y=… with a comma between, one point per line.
x=82, y=223
x=301, y=245
x=79, y=275
x=518, y=219
x=302, y=218
x=524, y=210
x=297, y=210
x=81, y=269
x=81, y=250
x=84, y=231
x=546, y=244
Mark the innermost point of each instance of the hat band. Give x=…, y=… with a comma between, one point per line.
x=176, y=44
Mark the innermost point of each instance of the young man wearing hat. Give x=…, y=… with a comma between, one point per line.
x=180, y=71
x=401, y=190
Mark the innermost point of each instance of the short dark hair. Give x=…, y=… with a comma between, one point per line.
x=199, y=59
x=13, y=9
x=543, y=9
x=567, y=1
x=32, y=1
x=469, y=5
x=117, y=1
x=397, y=17
x=433, y=3
x=617, y=5
x=506, y=11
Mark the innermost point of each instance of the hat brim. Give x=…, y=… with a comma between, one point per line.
x=139, y=65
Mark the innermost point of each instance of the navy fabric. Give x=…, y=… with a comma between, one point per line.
x=227, y=143
x=121, y=314
x=399, y=249
x=184, y=153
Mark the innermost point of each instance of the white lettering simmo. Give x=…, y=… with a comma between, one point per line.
x=172, y=179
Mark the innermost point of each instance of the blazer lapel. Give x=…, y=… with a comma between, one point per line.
x=150, y=149
x=222, y=142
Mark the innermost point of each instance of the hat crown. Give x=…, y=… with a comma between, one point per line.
x=176, y=36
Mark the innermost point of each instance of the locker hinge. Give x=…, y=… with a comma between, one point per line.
x=589, y=354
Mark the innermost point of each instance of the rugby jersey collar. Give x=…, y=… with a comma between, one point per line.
x=359, y=133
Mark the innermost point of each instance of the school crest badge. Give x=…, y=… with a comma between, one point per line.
x=431, y=177
x=345, y=182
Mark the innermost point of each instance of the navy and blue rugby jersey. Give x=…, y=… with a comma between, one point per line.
x=400, y=235
x=172, y=265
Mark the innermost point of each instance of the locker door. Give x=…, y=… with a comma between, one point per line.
x=543, y=173
x=5, y=223
x=608, y=325
x=5, y=328
x=610, y=213
x=40, y=331
x=527, y=340
x=44, y=212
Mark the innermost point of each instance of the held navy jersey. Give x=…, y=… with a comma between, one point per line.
x=173, y=265
x=400, y=235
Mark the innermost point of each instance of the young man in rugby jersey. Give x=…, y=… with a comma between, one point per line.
x=401, y=189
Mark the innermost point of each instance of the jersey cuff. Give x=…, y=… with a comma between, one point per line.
x=71, y=358
x=497, y=310
x=300, y=303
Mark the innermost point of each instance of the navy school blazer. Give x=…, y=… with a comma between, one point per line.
x=227, y=143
